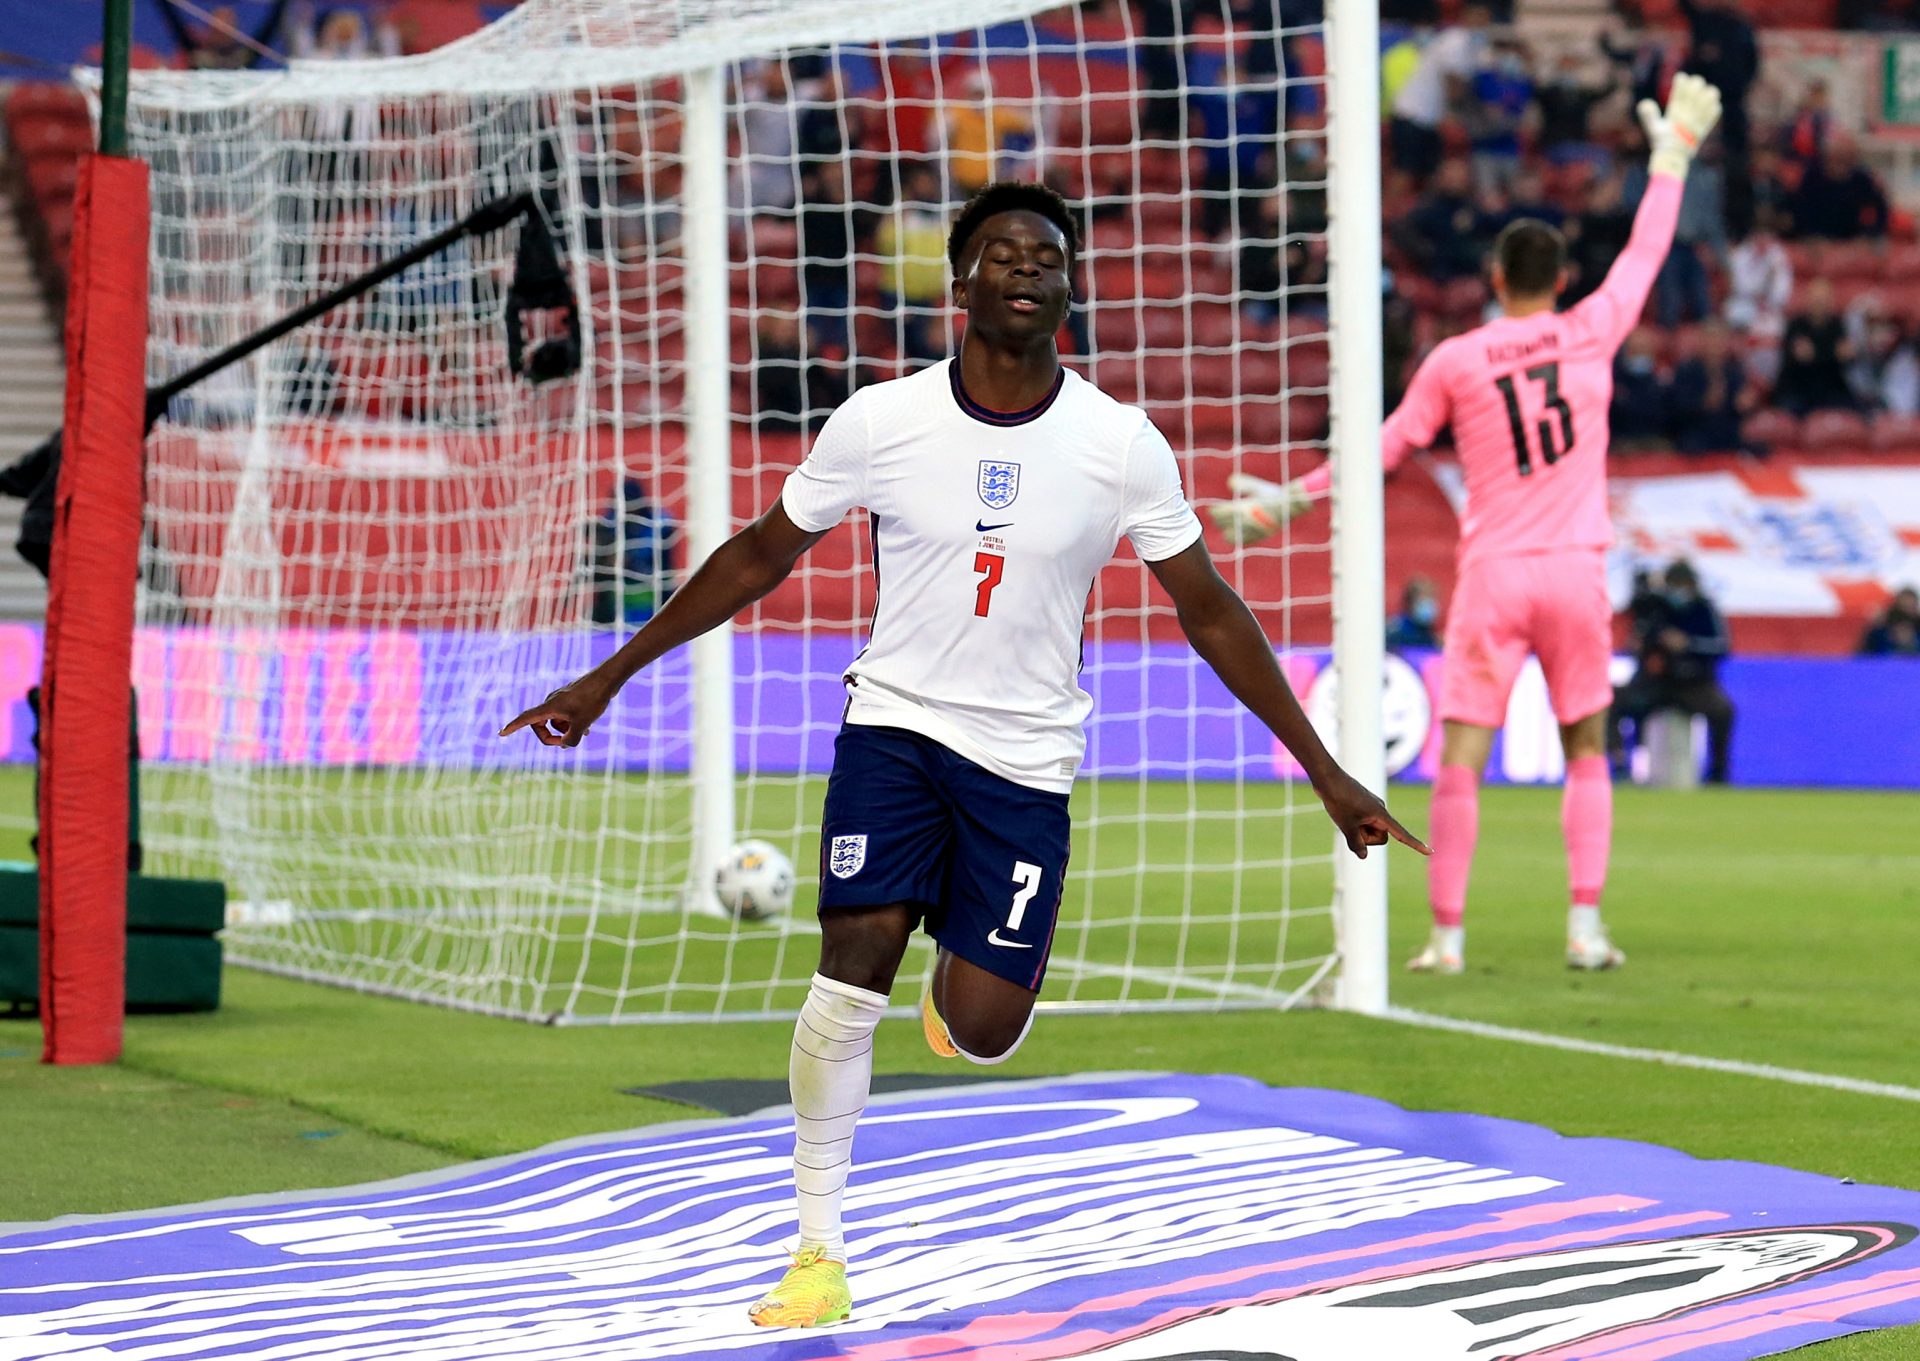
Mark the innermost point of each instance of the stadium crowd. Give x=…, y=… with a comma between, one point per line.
x=1789, y=292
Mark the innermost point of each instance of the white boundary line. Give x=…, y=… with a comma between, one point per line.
x=1671, y=1058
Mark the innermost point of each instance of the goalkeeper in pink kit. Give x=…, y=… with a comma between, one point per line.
x=1527, y=396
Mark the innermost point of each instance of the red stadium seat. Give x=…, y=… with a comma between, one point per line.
x=40, y=136
x=1116, y=327
x=1111, y=236
x=775, y=238
x=1422, y=294
x=1901, y=298
x=1161, y=222
x=1215, y=325
x=45, y=99
x=1771, y=429
x=1163, y=326
x=1111, y=119
x=1463, y=299
x=52, y=178
x=1903, y=261
x=1855, y=260
x=1121, y=377
x=1895, y=434
x=1811, y=14
x=1305, y=365
x=1168, y=380
x=1834, y=430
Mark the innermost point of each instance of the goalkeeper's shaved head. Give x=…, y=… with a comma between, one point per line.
x=1530, y=255
x=1010, y=196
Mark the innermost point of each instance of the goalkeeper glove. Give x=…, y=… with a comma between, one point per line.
x=1693, y=107
x=1259, y=509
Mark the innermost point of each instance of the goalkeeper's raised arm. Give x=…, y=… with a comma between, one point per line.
x=1674, y=136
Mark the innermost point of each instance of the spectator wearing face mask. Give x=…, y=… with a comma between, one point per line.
x=1839, y=199
x=1440, y=83
x=1814, y=357
x=1502, y=97
x=1710, y=395
x=1443, y=232
x=1597, y=235
x=1413, y=629
x=1638, y=416
x=1884, y=374
x=1896, y=631
x=1566, y=103
x=1759, y=287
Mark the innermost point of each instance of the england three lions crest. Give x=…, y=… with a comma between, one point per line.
x=847, y=856
x=999, y=483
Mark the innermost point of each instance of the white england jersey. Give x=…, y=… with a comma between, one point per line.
x=988, y=531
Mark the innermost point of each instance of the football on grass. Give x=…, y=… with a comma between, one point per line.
x=755, y=881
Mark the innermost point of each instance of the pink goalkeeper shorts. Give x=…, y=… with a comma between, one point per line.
x=1553, y=605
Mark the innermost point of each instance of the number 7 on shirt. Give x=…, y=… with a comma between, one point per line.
x=991, y=565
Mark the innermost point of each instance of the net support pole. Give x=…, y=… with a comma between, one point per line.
x=709, y=464
x=86, y=694
x=1359, y=558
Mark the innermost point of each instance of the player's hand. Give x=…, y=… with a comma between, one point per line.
x=1693, y=107
x=566, y=715
x=1259, y=508
x=1362, y=818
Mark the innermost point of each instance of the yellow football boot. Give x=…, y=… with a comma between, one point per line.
x=812, y=1293
x=938, y=1040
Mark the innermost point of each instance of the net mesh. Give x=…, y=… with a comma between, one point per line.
x=370, y=544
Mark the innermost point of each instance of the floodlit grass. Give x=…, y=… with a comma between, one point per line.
x=1774, y=927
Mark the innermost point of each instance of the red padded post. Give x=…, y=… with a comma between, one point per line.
x=86, y=684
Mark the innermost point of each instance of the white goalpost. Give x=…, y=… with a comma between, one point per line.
x=1359, y=530
x=371, y=543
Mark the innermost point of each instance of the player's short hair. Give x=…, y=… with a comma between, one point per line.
x=1531, y=254
x=1009, y=196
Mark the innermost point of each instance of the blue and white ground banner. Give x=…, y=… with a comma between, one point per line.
x=1127, y=1218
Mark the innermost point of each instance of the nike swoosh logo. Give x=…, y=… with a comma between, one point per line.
x=982, y=527
x=993, y=938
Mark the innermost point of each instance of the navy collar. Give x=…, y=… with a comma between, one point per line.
x=990, y=417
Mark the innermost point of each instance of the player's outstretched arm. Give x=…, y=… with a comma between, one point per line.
x=1259, y=507
x=1224, y=632
x=1673, y=138
x=741, y=570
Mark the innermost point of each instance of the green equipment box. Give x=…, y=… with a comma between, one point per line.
x=173, y=950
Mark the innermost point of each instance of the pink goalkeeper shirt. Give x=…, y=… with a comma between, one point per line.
x=1527, y=399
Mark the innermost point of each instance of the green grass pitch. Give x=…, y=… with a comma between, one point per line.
x=1772, y=927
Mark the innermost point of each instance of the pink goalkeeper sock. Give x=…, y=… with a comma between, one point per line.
x=1455, y=822
x=1586, y=816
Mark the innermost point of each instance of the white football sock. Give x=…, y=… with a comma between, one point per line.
x=1583, y=923
x=829, y=1075
x=1451, y=941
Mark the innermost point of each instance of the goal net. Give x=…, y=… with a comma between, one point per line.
x=371, y=543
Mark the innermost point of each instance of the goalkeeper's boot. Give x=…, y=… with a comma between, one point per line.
x=1593, y=952
x=812, y=1294
x=938, y=1040
x=1446, y=952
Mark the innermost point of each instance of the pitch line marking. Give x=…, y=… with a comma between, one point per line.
x=1671, y=1058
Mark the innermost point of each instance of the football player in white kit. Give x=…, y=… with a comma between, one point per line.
x=998, y=484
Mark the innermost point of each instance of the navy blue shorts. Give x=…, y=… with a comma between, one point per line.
x=984, y=859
